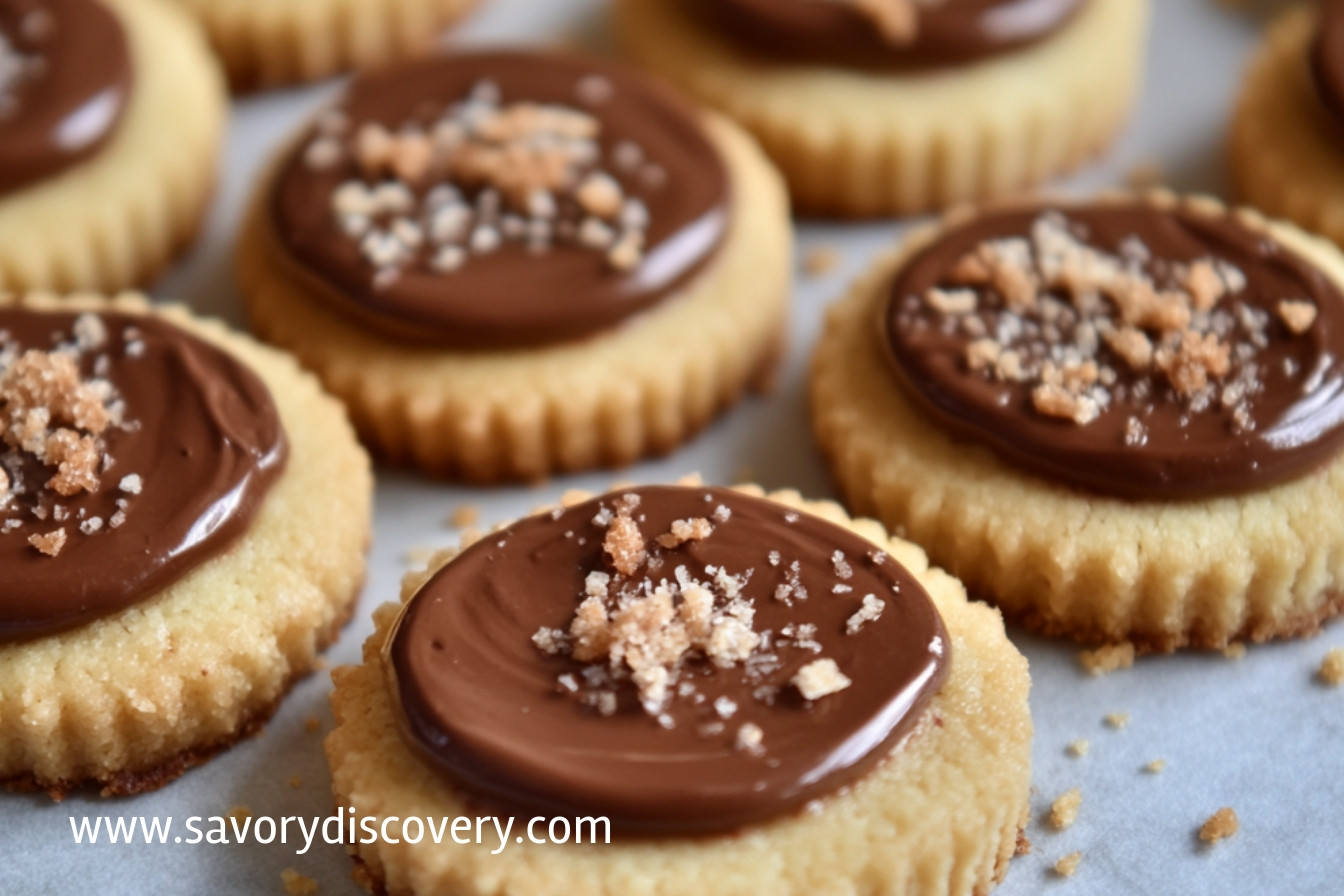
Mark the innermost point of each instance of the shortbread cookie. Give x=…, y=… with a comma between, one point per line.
x=264, y=43
x=882, y=107
x=183, y=516
x=1117, y=420
x=111, y=113
x=559, y=266
x=1287, y=139
x=758, y=694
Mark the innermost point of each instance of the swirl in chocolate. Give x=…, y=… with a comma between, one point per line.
x=65, y=78
x=677, y=659
x=130, y=453
x=501, y=199
x=1132, y=348
x=1327, y=61
x=882, y=33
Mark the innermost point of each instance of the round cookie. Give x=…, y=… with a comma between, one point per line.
x=159, y=615
x=1154, y=517
x=115, y=211
x=266, y=43
x=942, y=813
x=902, y=134
x=1286, y=146
x=470, y=353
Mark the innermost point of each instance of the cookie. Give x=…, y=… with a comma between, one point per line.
x=183, y=516
x=266, y=43
x=1286, y=146
x=111, y=115
x=1118, y=420
x=674, y=673
x=560, y=266
x=898, y=108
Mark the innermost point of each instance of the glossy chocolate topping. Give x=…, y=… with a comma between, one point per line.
x=1221, y=371
x=438, y=246
x=197, y=445
x=732, y=742
x=65, y=77
x=1327, y=60
x=945, y=32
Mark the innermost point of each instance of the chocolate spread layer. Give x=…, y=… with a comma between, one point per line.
x=932, y=33
x=678, y=659
x=501, y=199
x=1126, y=348
x=65, y=79
x=133, y=452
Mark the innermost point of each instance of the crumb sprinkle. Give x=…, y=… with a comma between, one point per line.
x=1067, y=865
x=1331, y=670
x=1084, y=329
x=1220, y=825
x=1107, y=658
x=1064, y=810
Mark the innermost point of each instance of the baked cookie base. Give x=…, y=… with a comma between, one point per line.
x=267, y=43
x=943, y=816
x=855, y=143
x=118, y=218
x=1162, y=575
x=1285, y=153
x=640, y=389
x=130, y=701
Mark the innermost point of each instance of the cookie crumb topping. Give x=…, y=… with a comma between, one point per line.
x=53, y=426
x=649, y=617
x=1086, y=328
x=17, y=68
x=896, y=20
x=432, y=194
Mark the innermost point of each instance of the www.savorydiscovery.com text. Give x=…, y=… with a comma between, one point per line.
x=343, y=828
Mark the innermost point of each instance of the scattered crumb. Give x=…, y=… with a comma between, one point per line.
x=465, y=515
x=1235, y=651
x=297, y=884
x=1118, y=719
x=1297, y=315
x=820, y=678
x=750, y=737
x=1064, y=810
x=1107, y=658
x=1332, y=667
x=321, y=664
x=1156, y=766
x=1080, y=747
x=295, y=781
x=1069, y=864
x=240, y=813
x=820, y=261
x=1221, y=825
x=49, y=543
x=311, y=724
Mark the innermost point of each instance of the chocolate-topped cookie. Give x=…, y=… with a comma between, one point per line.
x=1115, y=418
x=882, y=107
x=160, y=479
x=107, y=150
x=729, y=684
x=517, y=236
x=1287, y=139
